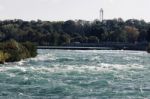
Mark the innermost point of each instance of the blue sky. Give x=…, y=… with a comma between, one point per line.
x=57, y=10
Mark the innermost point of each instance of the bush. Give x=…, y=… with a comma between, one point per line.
x=31, y=48
x=12, y=51
x=3, y=57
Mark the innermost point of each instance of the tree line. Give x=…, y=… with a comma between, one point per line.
x=75, y=31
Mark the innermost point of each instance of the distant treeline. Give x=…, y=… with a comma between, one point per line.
x=78, y=31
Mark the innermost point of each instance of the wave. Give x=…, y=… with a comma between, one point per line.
x=68, y=68
x=86, y=68
x=43, y=57
x=131, y=58
x=121, y=66
x=21, y=63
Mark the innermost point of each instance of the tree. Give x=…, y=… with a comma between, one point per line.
x=64, y=39
x=69, y=27
x=148, y=35
x=132, y=33
x=54, y=39
x=97, y=30
x=93, y=39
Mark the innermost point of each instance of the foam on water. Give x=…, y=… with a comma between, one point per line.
x=44, y=57
x=92, y=74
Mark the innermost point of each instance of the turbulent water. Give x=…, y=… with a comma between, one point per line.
x=82, y=74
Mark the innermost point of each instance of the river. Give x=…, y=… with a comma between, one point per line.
x=78, y=74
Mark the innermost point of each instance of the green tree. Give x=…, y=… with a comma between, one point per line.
x=132, y=33
x=93, y=39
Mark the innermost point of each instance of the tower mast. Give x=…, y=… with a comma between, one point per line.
x=101, y=15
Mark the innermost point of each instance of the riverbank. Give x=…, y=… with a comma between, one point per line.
x=74, y=48
x=100, y=46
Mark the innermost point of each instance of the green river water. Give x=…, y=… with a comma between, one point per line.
x=78, y=74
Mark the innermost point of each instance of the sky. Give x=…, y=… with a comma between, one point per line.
x=61, y=10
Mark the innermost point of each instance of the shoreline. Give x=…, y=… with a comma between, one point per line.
x=99, y=46
x=85, y=48
x=74, y=48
